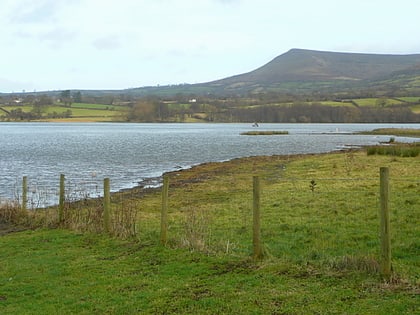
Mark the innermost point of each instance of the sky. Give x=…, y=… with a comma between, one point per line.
x=104, y=44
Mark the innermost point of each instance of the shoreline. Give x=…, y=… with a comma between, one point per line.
x=202, y=171
x=299, y=141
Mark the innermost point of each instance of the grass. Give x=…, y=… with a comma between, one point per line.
x=10, y=108
x=97, y=106
x=374, y=101
x=401, y=150
x=402, y=132
x=80, y=112
x=410, y=99
x=322, y=245
x=334, y=103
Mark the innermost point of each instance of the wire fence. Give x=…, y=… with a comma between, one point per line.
x=302, y=220
x=332, y=221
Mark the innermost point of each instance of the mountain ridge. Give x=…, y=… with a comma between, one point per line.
x=312, y=65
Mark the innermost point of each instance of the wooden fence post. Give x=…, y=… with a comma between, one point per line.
x=61, y=199
x=107, y=205
x=256, y=238
x=164, y=211
x=24, y=192
x=385, y=225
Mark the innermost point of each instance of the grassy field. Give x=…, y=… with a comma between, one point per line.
x=319, y=228
x=85, y=112
x=374, y=102
x=80, y=112
x=97, y=106
x=333, y=103
x=411, y=99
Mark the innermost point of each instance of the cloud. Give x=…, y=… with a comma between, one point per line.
x=54, y=37
x=30, y=12
x=109, y=42
x=228, y=1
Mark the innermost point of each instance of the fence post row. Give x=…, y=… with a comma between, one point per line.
x=164, y=211
x=107, y=205
x=385, y=255
x=385, y=225
x=24, y=192
x=61, y=199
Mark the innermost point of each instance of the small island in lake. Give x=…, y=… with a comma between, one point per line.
x=264, y=133
x=401, y=132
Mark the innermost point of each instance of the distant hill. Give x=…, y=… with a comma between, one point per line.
x=311, y=65
x=302, y=71
x=320, y=69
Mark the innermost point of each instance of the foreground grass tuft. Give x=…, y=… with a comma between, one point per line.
x=400, y=150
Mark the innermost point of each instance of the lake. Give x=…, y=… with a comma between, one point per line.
x=133, y=154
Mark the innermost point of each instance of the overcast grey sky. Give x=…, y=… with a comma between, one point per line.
x=104, y=44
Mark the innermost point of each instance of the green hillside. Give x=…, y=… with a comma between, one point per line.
x=304, y=71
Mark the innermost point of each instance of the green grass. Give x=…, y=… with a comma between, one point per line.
x=410, y=99
x=80, y=112
x=401, y=150
x=403, y=132
x=9, y=108
x=179, y=106
x=322, y=245
x=333, y=103
x=374, y=102
x=97, y=106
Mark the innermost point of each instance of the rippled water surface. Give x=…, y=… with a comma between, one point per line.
x=131, y=153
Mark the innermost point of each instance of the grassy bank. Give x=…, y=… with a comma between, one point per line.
x=319, y=228
x=264, y=133
x=402, y=132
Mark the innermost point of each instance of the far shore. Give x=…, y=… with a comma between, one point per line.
x=401, y=132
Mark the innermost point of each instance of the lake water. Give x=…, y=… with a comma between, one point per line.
x=132, y=153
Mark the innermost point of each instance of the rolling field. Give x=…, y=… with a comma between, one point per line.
x=374, y=102
x=80, y=112
x=85, y=112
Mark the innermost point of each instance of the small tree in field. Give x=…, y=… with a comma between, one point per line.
x=66, y=98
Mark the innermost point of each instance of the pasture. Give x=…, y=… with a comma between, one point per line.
x=77, y=112
x=319, y=227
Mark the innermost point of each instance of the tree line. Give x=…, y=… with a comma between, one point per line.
x=158, y=111
x=317, y=113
